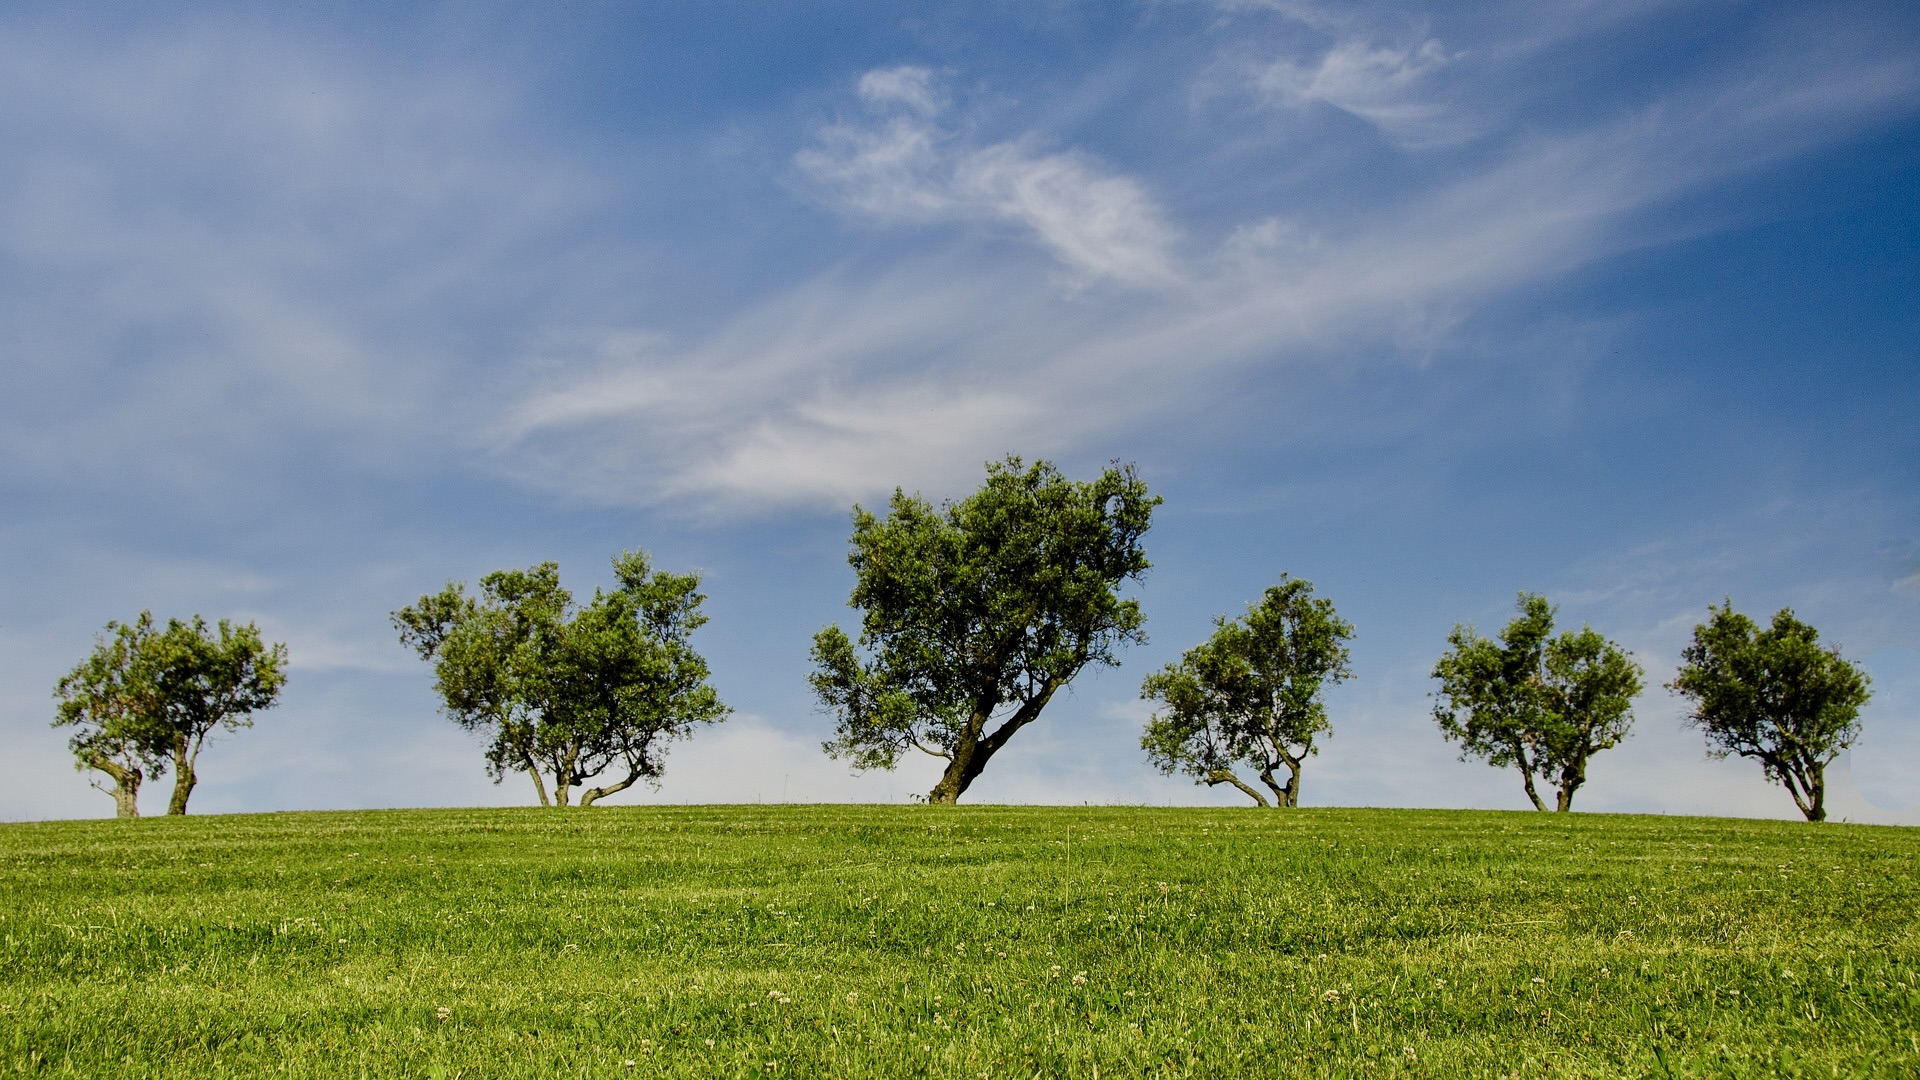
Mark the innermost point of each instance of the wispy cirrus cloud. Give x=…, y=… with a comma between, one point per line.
x=900, y=164
x=1381, y=84
x=846, y=386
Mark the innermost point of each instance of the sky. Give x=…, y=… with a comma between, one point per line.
x=306, y=310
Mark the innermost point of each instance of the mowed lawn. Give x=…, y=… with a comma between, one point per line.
x=969, y=942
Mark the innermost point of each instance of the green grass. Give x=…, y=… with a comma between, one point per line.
x=981, y=941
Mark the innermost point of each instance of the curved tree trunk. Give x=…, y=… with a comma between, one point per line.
x=971, y=753
x=126, y=785
x=1526, y=776
x=1225, y=776
x=594, y=794
x=539, y=781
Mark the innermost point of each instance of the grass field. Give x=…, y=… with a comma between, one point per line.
x=979, y=941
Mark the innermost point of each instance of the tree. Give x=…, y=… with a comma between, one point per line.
x=1251, y=694
x=1774, y=695
x=569, y=691
x=99, y=698
x=1542, y=704
x=977, y=613
x=150, y=698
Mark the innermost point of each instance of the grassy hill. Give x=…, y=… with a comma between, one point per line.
x=980, y=941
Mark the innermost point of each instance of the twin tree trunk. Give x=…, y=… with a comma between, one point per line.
x=1285, y=796
x=1807, y=783
x=126, y=781
x=1571, y=777
x=564, y=781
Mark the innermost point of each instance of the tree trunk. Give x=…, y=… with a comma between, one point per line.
x=1816, y=780
x=126, y=799
x=539, y=782
x=1287, y=795
x=565, y=777
x=1563, y=802
x=1526, y=777
x=1225, y=776
x=1294, y=765
x=1799, y=786
x=126, y=785
x=971, y=753
x=184, y=777
x=592, y=795
x=968, y=761
x=1570, y=781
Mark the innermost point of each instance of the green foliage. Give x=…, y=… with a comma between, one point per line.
x=1542, y=704
x=1773, y=695
x=148, y=697
x=568, y=690
x=883, y=942
x=976, y=613
x=1251, y=695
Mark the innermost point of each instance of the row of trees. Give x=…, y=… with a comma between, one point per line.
x=974, y=615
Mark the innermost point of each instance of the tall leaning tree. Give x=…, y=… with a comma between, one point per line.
x=567, y=692
x=1251, y=695
x=1773, y=695
x=975, y=613
x=1541, y=704
x=149, y=698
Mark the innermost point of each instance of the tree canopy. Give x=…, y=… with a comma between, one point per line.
x=976, y=613
x=1251, y=694
x=569, y=691
x=148, y=698
x=1541, y=704
x=1773, y=695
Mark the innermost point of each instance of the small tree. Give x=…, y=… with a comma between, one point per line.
x=569, y=691
x=1251, y=695
x=114, y=735
x=977, y=613
x=1773, y=695
x=1544, y=705
x=150, y=698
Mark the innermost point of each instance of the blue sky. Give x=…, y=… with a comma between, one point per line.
x=306, y=311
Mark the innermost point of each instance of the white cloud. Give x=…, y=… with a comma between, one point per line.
x=906, y=85
x=1380, y=84
x=844, y=385
x=900, y=164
